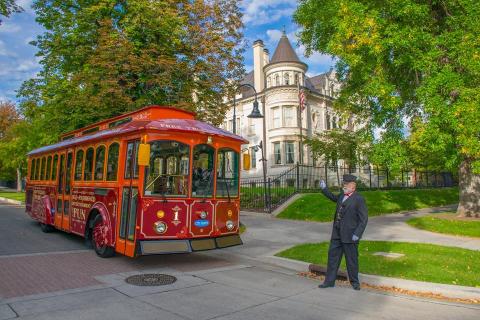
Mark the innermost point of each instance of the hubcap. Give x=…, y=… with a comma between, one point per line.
x=100, y=234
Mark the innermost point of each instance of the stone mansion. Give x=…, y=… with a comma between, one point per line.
x=276, y=81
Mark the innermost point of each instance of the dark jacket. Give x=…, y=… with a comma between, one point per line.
x=354, y=216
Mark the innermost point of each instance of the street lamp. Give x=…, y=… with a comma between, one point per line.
x=255, y=112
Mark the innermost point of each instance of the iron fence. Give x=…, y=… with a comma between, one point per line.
x=258, y=194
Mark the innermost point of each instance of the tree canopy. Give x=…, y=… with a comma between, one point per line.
x=103, y=58
x=408, y=60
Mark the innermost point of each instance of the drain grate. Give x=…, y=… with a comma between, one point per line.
x=152, y=279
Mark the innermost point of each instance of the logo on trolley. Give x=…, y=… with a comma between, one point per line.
x=175, y=220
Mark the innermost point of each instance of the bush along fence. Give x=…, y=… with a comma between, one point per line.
x=265, y=195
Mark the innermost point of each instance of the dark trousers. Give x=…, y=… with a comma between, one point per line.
x=335, y=253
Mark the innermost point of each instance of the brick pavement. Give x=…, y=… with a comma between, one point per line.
x=33, y=274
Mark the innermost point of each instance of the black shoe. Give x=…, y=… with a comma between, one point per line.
x=326, y=285
x=356, y=287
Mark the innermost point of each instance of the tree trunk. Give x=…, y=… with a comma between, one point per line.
x=469, y=189
x=19, y=180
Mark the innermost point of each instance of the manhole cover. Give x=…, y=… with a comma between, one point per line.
x=152, y=279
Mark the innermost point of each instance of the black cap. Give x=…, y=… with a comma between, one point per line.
x=349, y=178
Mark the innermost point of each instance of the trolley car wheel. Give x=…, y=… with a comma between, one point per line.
x=99, y=238
x=46, y=227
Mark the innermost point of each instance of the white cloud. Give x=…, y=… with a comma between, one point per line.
x=266, y=11
x=9, y=27
x=4, y=52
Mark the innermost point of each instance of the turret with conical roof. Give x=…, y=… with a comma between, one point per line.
x=285, y=68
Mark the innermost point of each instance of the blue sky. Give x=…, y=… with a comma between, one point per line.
x=263, y=20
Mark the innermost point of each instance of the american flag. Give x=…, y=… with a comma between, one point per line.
x=301, y=98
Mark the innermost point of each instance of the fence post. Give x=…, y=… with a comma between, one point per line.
x=326, y=173
x=378, y=178
x=269, y=203
x=298, y=176
x=388, y=183
x=370, y=174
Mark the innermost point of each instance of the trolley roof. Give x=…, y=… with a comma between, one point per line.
x=156, y=118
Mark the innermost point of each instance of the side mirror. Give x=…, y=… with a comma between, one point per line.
x=143, y=154
x=246, y=161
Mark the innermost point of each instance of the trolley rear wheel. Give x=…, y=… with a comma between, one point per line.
x=46, y=227
x=99, y=238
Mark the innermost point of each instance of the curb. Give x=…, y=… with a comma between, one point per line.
x=447, y=290
x=7, y=200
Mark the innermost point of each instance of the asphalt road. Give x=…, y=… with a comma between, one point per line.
x=19, y=234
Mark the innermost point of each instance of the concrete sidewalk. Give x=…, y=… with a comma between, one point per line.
x=235, y=292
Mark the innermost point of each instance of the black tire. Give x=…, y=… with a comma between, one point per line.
x=46, y=227
x=102, y=251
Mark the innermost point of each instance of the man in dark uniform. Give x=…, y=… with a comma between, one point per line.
x=351, y=218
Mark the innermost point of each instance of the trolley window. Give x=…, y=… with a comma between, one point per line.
x=49, y=168
x=99, y=163
x=168, y=172
x=54, y=167
x=227, y=173
x=32, y=169
x=202, y=174
x=112, y=162
x=87, y=175
x=78, y=165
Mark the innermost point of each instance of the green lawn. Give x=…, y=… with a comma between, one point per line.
x=422, y=262
x=446, y=223
x=13, y=195
x=316, y=207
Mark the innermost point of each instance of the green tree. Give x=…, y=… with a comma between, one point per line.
x=12, y=160
x=7, y=7
x=103, y=58
x=408, y=58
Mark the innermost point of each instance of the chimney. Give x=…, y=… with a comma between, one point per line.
x=258, y=63
x=266, y=58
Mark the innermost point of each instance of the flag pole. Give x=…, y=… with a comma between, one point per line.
x=300, y=143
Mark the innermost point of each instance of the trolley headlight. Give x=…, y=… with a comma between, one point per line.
x=160, y=227
x=203, y=214
x=230, y=225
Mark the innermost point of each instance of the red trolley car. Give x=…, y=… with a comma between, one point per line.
x=152, y=181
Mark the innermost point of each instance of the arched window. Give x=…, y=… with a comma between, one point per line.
x=99, y=163
x=42, y=173
x=227, y=173
x=32, y=169
x=268, y=82
x=54, y=167
x=112, y=162
x=49, y=168
x=202, y=175
x=277, y=80
x=78, y=165
x=169, y=169
x=286, y=79
x=87, y=174
x=296, y=79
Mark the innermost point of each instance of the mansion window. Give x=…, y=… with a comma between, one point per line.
x=289, y=116
x=277, y=155
x=286, y=79
x=277, y=118
x=289, y=152
x=253, y=155
x=251, y=126
x=296, y=78
x=327, y=122
x=277, y=80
